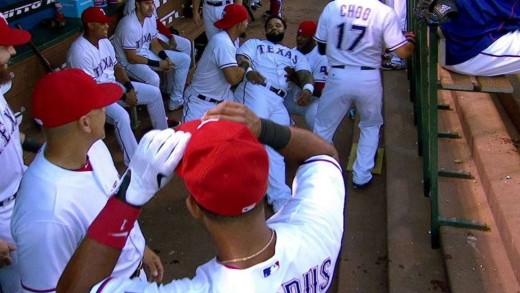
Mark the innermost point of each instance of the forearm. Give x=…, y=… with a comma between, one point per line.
x=405, y=50
x=304, y=77
x=196, y=6
x=120, y=74
x=234, y=74
x=156, y=47
x=133, y=58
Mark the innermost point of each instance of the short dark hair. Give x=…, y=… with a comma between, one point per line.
x=277, y=17
x=219, y=218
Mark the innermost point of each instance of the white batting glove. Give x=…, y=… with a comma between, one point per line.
x=152, y=165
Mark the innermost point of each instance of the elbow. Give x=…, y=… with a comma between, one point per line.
x=322, y=48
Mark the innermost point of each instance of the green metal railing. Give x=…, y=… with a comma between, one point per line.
x=424, y=86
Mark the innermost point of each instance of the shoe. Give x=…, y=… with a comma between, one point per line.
x=173, y=123
x=361, y=186
x=387, y=65
x=173, y=106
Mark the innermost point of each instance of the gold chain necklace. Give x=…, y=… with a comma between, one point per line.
x=253, y=255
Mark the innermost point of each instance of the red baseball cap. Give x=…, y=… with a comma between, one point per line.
x=232, y=14
x=307, y=28
x=10, y=36
x=95, y=14
x=224, y=167
x=64, y=96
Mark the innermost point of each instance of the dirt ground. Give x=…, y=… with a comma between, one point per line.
x=183, y=244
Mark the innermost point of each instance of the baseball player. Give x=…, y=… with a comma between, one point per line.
x=294, y=251
x=484, y=38
x=174, y=42
x=70, y=180
x=211, y=12
x=318, y=63
x=353, y=33
x=94, y=53
x=395, y=62
x=139, y=52
x=265, y=89
x=217, y=69
x=11, y=160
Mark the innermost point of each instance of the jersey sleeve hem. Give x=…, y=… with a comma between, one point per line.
x=227, y=65
x=398, y=45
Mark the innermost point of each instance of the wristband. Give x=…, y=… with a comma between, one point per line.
x=309, y=87
x=153, y=63
x=274, y=135
x=249, y=69
x=113, y=224
x=162, y=55
x=128, y=86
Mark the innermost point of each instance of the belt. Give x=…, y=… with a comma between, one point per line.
x=208, y=99
x=278, y=92
x=361, y=67
x=217, y=3
x=7, y=200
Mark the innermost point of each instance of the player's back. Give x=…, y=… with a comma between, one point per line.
x=356, y=31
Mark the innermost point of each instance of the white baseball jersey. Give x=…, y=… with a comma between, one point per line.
x=11, y=163
x=319, y=69
x=356, y=31
x=271, y=59
x=308, y=238
x=131, y=35
x=54, y=208
x=11, y=154
x=99, y=63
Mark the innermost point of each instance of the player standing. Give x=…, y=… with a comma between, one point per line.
x=225, y=168
x=139, y=52
x=211, y=12
x=318, y=63
x=217, y=69
x=353, y=33
x=265, y=89
x=71, y=179
x=11, y=162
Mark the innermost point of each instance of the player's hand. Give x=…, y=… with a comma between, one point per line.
x=291, y=74
x=236, y=112
x=172, y=44
x=152, y=266
x=166, y=64
x=196, y=18
x=303, y=98
x=131, y=98
x=255, y=77
x=5, y=253
x=152, y=165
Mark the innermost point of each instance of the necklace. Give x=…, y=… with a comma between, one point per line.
x=252, y=255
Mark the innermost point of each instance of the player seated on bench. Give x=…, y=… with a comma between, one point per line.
x=484, y=38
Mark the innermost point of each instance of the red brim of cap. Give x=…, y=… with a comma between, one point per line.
x=13, y=37
x=109, y=94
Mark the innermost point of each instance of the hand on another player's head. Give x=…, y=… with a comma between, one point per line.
x=255, y=77
x=236, y=112
x=152, y=165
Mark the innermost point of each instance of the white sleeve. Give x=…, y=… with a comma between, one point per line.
x=319, y=68
x=43, y=249
x=300, y=62
x=393, y=36
x=225, y=56
x=248, y=49
x=79, y=58
x=321, y=32
x=127, y=38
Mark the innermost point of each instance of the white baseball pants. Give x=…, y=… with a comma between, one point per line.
x=501, y=57
x=195, y=107
x=150, y=96
x=9, y=275
x=117, y=116
x=183, y=44
x=267, y=104
x=308, y=112
x=364, y=89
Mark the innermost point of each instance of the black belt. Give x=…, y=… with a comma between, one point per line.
x=278, y=92
x=217, y=4
x=208, y=99
x=362, y=67
x=137, y=272
x=8, y=200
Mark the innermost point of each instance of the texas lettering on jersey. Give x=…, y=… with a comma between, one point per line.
x=104, y=64
x=268, y=49
x=146, y=38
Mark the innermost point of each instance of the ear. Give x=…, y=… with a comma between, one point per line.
x=84, y=123
x=193, y=208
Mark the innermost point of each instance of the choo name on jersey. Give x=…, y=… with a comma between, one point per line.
x=316, y=279
x=268, y=49
x=355, y=11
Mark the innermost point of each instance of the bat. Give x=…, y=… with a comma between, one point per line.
x=40, y=55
